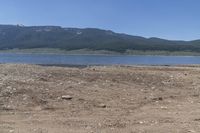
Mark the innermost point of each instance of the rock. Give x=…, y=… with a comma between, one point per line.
x=158, y=99
x=141, y=122
x=102, y=105
x=67, y=97
x=11, y=131
x=153, y=87
x=185, y=74
x=163, y=107
x=43, y=101
x=191, y=131
x=8, y=87
x=60, y=83
x=198, y=119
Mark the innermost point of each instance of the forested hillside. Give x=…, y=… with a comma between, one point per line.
x=22, y=37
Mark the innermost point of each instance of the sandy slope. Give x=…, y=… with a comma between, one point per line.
x=99, y=99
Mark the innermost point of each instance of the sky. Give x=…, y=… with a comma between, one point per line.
x=168, y=19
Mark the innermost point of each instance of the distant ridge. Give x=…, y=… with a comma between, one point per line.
x=28, y=37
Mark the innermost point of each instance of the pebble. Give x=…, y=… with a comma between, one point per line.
x=191, y=131
x=163, y=107
x=66, y=97
x=11, y=131
x=158, y=99
x=153, y=87
x=102, y=105
x=141, y=122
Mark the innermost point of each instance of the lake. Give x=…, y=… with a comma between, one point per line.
x=97, y=59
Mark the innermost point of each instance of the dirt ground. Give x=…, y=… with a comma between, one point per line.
x=111, y=99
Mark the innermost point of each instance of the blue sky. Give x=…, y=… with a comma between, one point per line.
x=169, y=19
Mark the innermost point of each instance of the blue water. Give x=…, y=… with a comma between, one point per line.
x=97, y=59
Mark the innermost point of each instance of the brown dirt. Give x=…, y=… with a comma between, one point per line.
x=111, y=99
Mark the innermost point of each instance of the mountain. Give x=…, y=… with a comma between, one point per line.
x=24, y=37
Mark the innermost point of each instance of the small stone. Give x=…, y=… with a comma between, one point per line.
x=163, y=107
x=198, y=119
x=59, y=98
x=60, y=84
x=191, y=131
x=153, y=87
x=141, y=122
x=160, y=98
x=11, y=131
x=102, y=105
x=8, y=87
x=66, y=97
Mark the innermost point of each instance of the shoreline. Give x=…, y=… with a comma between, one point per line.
x=108, y=99
x=161, y=55
x=103, y=65
x=55, y=51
